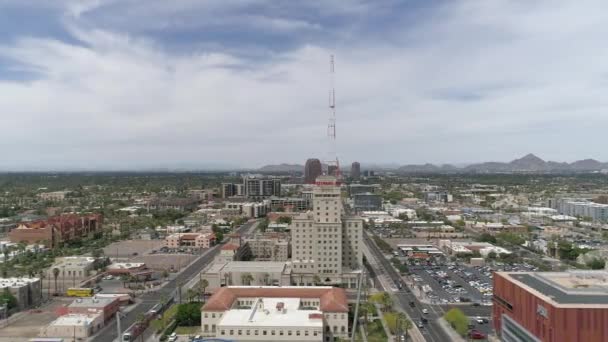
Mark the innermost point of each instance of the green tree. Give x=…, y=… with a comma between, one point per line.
x=486, y=237
x=191, y=294
x=188, y=314
x=7, y=298
x=596, y=264
x=458, y=320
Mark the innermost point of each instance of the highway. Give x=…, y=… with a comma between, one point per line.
x=431, y=331
x=148, y=300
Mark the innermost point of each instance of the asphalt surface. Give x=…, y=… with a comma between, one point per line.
x=431, y=331
x=148, y=300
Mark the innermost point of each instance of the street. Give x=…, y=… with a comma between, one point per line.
x=148, y=300
x=431, y=331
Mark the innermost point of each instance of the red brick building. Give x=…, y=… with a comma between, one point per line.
x=551, y=306
x=57, y=229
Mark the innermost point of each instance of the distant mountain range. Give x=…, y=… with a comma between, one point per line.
x=528, y=163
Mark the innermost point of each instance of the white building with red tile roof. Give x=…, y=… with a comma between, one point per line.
x=269, y=313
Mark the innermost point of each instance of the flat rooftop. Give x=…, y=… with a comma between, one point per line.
x=248, y=266
x=566, y=288
x=74, y=319
x=92, y=302
x=264, y=313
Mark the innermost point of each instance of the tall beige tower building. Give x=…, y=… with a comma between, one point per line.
x=326, y=243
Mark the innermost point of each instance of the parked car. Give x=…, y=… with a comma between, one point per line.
x=476, y=335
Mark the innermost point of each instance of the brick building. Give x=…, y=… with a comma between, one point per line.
x=58, y=229
x=551, y=306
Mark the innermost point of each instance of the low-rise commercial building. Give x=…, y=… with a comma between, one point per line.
x=53, y=196
x=72, y=270
x=196, y=240
x=551, y=306
x=182, y=204
x=222, y=274
x=90, y=305
x=27, y=291
x=245, y=313
x=79, y=326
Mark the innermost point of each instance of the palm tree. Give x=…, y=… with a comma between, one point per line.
x=41, y=276
x=203, y=285
x=366, y=309
x=387, y=301
x=316, y=280
x=246, y=278
x=55, y=275
x=191, y=294
x=404, y=324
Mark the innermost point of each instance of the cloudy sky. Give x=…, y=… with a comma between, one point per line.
x=116, y=84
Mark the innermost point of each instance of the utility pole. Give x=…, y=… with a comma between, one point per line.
x=356, y=318
x=118, y=329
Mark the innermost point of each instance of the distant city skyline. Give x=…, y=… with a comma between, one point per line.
x=145, y=84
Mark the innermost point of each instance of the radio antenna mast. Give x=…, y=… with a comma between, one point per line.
x=333, y=167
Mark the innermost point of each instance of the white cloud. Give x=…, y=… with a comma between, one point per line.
x=473, y=81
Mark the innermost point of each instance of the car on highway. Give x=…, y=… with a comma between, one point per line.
x=476, y=335
x=412, y=304
x=108, y=277
x=419, y=324
x=425, y=311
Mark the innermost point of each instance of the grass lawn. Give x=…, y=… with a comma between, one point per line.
x=168, y=315
x=188, y=330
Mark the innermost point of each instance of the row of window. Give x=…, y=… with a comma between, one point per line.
x=256, y=332
x=206, y=315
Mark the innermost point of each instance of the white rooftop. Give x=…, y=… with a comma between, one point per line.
x=75, y=319
x=266, y=314
x=125, y=265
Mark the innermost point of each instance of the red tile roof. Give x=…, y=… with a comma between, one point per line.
x=332, y=299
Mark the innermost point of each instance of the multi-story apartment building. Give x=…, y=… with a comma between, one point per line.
x=56, y=230
x=292, y=203
x=265, y=313
x=250, y=209
x=326, y=242
x=231, y=190
x=271, y=246
x=367, y=202
x=580, y=208
x=551, y=306
x=259, y=187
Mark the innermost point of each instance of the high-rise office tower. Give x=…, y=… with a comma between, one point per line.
x=312, y=170
x=326, y=243
x=355, y=170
